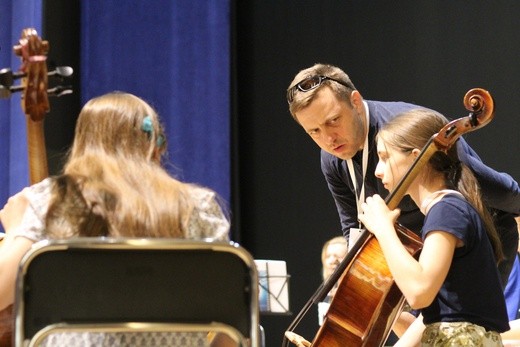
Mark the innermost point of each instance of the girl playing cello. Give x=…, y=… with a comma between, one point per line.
x=454, y=283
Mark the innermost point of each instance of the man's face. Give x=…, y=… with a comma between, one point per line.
x=334, y=254
x=335, y=126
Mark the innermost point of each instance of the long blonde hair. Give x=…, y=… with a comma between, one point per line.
x=112, y=125
x=413, y=129
x=143, y=199
x=114, y=172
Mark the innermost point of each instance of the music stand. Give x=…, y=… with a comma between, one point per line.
x=273, y=283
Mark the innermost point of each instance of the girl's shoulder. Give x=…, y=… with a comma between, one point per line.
x=39, y=195
x=208, y=219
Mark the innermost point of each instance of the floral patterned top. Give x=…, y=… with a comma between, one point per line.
x=207, y=221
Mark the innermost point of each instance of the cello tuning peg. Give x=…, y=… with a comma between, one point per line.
x=61, y=71
x=59, y=91
x=6, y=77
x=5, y=93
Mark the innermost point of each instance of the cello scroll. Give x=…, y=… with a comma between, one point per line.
x=34, y=75
x=481, y=106
x=33, y=52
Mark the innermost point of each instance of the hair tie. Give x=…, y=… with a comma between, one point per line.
x=147, y=127
x=454, y=172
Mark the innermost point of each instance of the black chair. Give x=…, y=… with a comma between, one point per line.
x=137, y=285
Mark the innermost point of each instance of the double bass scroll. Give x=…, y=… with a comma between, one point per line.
x=367, y=301
x=34, y=78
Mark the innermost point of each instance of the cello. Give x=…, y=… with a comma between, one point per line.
x=367, y=300
x=34, y=75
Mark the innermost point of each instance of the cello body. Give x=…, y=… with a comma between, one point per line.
x=369, y=290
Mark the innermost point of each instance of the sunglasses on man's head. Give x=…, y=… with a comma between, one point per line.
x=311, y=83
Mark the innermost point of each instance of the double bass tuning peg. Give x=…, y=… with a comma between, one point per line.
x=7, y=78
x=59, y=91
x=6, y=83
x=61, y=71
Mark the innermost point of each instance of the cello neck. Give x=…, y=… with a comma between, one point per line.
x=36, y=151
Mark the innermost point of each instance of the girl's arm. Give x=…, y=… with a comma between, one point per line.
x=402, y=323
x=13, y=248
x=514, y=332
x=412, y=336
x=11, y=253
x=419, y=281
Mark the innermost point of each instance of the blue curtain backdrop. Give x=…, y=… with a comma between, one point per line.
x=176, y=55
x=173, y=54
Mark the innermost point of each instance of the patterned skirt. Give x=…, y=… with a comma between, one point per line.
x=459, y=334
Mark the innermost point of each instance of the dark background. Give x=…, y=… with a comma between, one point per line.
x=426, y=52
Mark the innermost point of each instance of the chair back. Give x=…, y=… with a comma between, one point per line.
x=104, y=284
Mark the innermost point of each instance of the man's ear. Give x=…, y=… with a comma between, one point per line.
x=416, y=152
x=356, y=100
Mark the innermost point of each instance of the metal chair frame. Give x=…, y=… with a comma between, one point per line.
x=135, y=285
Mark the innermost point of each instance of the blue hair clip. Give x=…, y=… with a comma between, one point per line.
x=147, y=127
x=160, y=141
